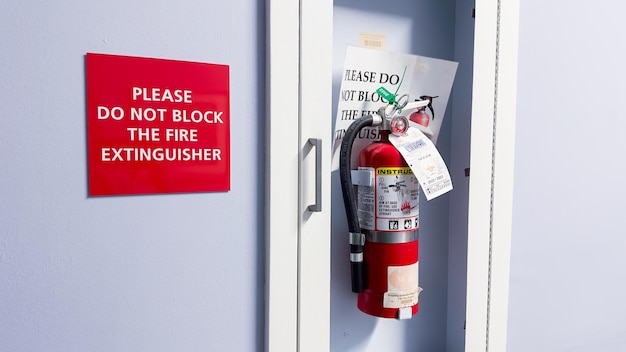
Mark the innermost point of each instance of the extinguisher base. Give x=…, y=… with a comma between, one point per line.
x=405, y=313
x=371, y=303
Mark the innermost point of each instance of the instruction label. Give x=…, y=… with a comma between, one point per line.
x=394, y=200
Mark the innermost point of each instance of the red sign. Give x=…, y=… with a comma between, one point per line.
x=157, y=126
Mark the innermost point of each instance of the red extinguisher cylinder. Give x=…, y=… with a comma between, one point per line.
x=388, y=214
x=379, y=257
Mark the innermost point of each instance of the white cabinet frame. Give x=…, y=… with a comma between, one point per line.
x=299, y=76
x=491, y=181
x=281, y=212
x=298, y=60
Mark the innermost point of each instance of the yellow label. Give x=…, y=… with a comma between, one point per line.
x=393, y=171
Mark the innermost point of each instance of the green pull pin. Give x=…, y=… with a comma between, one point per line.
x=391, y=97
x=387, y=95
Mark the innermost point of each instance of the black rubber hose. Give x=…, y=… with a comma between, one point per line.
x=357, y=268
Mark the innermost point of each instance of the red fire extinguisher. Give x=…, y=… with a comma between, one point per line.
x=383, y=220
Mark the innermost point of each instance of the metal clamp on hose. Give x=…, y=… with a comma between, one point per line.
x=357, y=238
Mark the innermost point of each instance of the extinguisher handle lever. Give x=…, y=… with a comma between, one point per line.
x=417, y=104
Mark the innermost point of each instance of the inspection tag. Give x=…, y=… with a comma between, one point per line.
x=425, y=161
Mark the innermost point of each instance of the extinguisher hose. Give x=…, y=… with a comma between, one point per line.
x=357, y=266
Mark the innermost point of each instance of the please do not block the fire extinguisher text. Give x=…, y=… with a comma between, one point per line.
x=152, y=115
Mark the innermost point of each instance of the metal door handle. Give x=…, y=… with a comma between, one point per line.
x=317, y=144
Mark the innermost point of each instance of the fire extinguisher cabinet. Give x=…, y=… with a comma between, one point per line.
x=438, y=29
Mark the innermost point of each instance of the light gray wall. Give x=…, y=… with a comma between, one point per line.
x=568, y=262
x=136, y=273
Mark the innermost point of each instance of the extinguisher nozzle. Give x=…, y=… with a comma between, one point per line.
x=357, y=271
